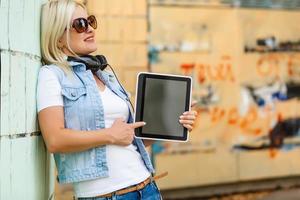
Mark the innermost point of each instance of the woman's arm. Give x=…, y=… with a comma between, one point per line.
x=62, y=140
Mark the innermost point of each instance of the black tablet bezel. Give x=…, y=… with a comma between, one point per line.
x=139, y=104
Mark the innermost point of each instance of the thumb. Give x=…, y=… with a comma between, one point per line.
x=194, y=102
x=137, y=124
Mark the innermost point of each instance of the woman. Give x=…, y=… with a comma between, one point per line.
x=84, y=118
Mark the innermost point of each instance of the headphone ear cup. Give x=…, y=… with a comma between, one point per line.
x=102, y=60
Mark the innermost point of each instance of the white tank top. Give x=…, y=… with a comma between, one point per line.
x=125, y=165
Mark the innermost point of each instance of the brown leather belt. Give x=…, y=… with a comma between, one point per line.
x=133, y=188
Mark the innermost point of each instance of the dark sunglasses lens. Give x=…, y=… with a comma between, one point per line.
x=92, y=21
x=80, y=25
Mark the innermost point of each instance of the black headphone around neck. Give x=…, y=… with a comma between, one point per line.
x=93, y=63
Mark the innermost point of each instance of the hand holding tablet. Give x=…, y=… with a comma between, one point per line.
x=160, y=100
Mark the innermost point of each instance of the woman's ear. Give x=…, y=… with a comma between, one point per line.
x=60, y=43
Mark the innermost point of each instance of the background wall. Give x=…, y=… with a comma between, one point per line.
x=26, y=171
x=122, y=36
x=234, y=137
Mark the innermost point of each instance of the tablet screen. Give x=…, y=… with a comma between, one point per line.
x=161, y=106
x=160, y=101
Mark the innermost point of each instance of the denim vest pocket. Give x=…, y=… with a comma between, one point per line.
x=75, y=104
x=72, y=94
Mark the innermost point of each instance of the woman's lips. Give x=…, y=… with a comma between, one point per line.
x=89, y=39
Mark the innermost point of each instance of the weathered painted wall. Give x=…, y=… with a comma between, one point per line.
x=122, y=36
x=24, y=163
x=231, y=141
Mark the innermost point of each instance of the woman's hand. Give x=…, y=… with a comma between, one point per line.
x=122, y=133
x=187, y=119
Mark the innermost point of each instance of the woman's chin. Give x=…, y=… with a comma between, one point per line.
x=89, y=51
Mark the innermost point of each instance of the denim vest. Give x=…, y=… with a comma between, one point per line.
x=83, y=110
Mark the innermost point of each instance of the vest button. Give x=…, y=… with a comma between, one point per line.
x=73, y=94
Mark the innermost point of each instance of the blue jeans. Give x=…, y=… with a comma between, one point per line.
x=150, y=192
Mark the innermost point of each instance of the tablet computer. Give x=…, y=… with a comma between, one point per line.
x=160, y=100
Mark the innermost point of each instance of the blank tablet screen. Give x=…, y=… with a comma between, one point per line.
x=161, y=110
x=160, y=102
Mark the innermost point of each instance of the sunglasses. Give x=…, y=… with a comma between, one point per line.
x=81, y=24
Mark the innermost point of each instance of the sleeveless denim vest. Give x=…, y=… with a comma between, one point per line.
x=83, y=110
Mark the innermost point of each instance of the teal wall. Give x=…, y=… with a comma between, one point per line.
x=25, y=167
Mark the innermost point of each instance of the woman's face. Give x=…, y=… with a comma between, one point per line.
x=81, y=43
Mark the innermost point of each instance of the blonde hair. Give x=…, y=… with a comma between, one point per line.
x=55, y=20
